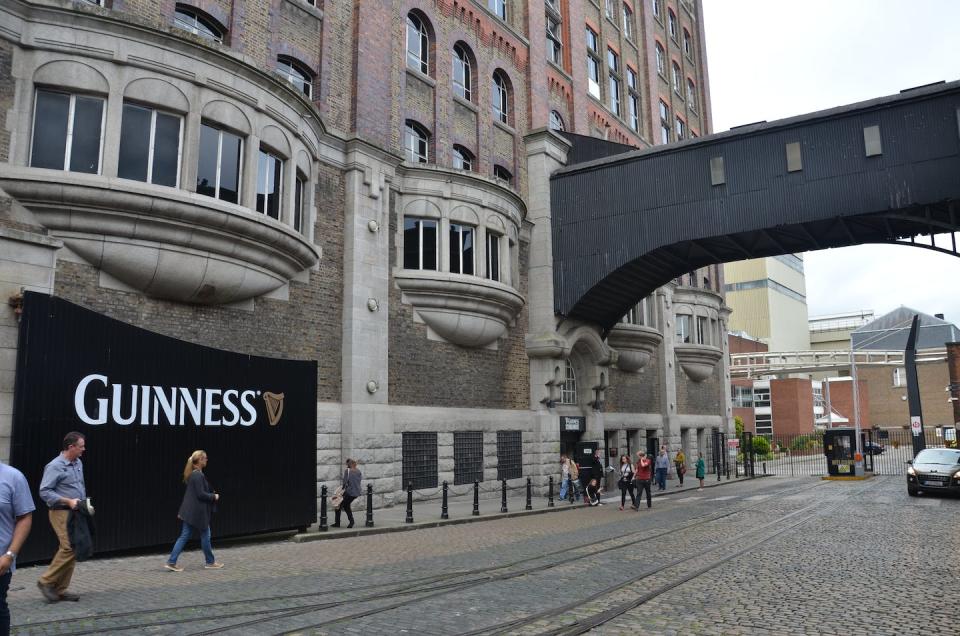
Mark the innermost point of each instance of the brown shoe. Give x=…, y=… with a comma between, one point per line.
x=69, y=596
x=48, y=592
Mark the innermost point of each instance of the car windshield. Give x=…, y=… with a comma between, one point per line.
x=944, y=456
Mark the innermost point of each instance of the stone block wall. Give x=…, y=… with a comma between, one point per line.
x=700, y=398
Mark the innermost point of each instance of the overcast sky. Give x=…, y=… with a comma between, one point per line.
x=770, y=59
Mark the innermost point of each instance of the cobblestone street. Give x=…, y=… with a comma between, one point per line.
x=774, y=555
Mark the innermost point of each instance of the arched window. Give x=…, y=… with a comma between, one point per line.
x=296, y=73
x=501, y=173
x=416, y=142
x=462, y=158
x=500, y=97
x=461, y=72
x=568, y=390
x=556, y=121
x=672, y=23
x=660, y=59
x=687, y=43
x=418, y=44
x=189, y=19
x=676, y=78
x=692, y=94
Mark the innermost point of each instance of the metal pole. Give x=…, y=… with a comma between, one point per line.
x=323, y=509
x=550, y=493
x=369, y=522
x=409, y=518
x=503, y=496
x=856, y=399
x=476, y=499
x=529, y=505
x=443, y=508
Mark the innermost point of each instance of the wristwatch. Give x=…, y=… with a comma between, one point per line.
x=11, y=554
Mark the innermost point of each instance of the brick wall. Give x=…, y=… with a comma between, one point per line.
x=791, y=402
x=888, y=408
x=953, y=370
x=700, y=398
x=634, y=392
x=7, y=86
x=841, y=401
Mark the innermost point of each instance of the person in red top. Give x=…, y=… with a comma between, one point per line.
x=644, y=473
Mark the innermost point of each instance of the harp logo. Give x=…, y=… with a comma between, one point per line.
x=274, y=402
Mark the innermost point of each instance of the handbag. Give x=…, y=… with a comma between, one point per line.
x=337, y=497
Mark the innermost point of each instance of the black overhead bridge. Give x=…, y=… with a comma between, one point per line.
x=882, y=171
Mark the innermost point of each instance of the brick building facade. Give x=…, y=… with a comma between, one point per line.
x=366, y=185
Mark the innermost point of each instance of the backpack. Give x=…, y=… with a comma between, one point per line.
x=574, y=471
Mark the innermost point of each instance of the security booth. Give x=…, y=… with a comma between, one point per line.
x=583, y=456
x=840, y=447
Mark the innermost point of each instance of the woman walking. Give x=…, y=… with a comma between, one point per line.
x=680, y=461
x=626, y=482
x=564, y=476
x=351, y=490
x=195, y=511
x=701, y=469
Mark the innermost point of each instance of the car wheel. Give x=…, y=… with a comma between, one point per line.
x=913, y=492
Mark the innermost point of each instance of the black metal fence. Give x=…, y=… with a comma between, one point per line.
x=885, y=453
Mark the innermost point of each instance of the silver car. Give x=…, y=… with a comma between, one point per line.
x=934, y=470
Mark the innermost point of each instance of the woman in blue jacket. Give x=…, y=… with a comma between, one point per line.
x=195, y=512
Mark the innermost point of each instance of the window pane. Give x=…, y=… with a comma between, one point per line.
x=275, y=188
x=467, y=250
x=429, y=245
x=230, y=168
x=166, y=148
x=298, y=204
x=50, y=130
x=454, y=248
x=134, y=143
x=411, y=244
x=262, y=169
x=493, y=257
x=85, y=150
x=207, y=164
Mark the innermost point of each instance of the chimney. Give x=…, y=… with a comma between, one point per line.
x=940, y=316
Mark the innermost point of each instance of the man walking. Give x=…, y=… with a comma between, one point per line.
x=643, y=474
x=62, y=489
x=663, y=463
x=16, y=516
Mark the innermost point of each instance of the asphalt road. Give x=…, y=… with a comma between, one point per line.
x=768, y=556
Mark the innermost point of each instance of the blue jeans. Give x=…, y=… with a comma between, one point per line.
x=563, y=488
x=4, y=608
x=661, y=478
x=186, y=531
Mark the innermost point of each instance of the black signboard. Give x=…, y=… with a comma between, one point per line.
x=573, y=423
x=145, y=402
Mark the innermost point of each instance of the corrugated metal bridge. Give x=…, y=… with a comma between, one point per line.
x=882, y=171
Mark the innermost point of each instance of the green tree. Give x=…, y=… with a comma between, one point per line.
x=738, y=425
x=761, y=446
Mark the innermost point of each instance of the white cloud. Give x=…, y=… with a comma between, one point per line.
x=769, y=60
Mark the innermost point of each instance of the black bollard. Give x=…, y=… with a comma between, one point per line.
x=476, y=499
x=369, y=523
x=529, y=505
x=550, y=493
x=444, y=514
x=323, y=509
x=409, y=518
x=503, y=496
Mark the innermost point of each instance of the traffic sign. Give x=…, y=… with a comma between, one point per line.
x=915, y=424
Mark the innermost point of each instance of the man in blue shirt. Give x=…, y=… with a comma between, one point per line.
x=62, y=489
x=16, y=508
x=662, y=465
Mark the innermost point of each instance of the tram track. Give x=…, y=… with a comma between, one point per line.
x=424, y=587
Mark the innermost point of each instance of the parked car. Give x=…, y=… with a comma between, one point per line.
x=934, y=470
x=872, y=448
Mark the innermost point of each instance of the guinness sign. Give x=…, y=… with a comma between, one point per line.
x=145, y=402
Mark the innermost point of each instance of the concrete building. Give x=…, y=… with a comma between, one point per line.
x=831, y=332
x=768, y=298
x=365, y=185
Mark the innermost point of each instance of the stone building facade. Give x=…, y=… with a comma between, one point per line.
x=363, y=184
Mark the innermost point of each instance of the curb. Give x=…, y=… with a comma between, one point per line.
x=316, y=535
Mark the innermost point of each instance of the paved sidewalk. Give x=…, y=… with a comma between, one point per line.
x=427, y=513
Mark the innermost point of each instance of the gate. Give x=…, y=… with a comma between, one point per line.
x=885, y=452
